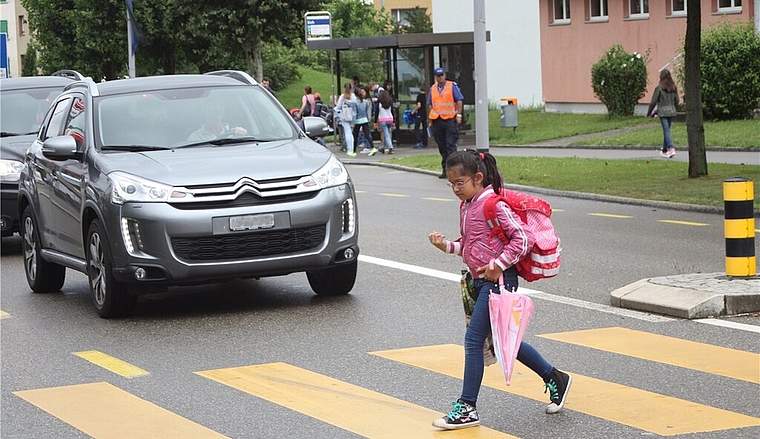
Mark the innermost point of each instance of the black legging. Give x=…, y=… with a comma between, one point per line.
x=364, y=127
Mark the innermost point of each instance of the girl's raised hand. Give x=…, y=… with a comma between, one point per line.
x=438, y=239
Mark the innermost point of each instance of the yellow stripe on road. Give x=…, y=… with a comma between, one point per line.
x=103, y=411
x=712, y=359
x=3, y=314
x=648, y=411
x=352, y=408
x=683, y=223
x=609, y=215
x=112, y=364
x=385, y=194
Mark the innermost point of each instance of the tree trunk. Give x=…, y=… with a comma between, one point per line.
x=695, y=129
x=252, y=50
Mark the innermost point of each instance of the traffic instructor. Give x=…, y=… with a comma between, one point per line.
x=445, y=115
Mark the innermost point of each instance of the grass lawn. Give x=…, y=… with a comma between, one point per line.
x=641, y=179
x=734, y=133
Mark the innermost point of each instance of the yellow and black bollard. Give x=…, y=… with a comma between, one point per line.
x=738, y=201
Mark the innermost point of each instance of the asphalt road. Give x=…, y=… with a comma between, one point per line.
x=268, y=359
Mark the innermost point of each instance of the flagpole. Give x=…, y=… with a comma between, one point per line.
x=130, y=49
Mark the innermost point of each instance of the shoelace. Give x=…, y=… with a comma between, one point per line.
x=456, y=413
x=552, y=387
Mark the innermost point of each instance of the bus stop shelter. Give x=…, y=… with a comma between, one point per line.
x=409, y=60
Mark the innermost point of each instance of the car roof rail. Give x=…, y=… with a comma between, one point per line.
x=67, y=73
x=85, y=82
x=235, y=74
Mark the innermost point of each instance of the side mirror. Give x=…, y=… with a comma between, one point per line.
x=60, y=148
x=315, y=127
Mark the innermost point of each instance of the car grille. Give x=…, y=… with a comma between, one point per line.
x=245, y=192
x=249, y=245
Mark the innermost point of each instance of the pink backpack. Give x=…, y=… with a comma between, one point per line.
x=543, y=261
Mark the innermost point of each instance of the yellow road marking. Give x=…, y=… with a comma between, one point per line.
x=3, y=314
x=112, y=364
x=629, y=406
x=703, y=357
x=104, y=411
x=360, y=192
x=338, y=403
x=386, y=194
x=438, y=199
x=558, y=210
x=609, y=215
x=683, y=223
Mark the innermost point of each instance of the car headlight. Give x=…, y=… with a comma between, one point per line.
x=331, y=174
x=127, y=187
x=10, y=170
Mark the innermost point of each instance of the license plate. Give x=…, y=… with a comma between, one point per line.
x=252, y=222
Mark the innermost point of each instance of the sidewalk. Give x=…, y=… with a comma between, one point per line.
x=688, y=296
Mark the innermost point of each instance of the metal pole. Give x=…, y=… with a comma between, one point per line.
x=739, y=225
x=481, y=89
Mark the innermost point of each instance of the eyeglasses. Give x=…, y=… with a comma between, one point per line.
x=458, y=184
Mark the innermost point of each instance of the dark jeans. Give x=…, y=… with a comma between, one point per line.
x=446, y=135
x=667, y=139
x=480, y=327
x=365, y=130
x=420, y=131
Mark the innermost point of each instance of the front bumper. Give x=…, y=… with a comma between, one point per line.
x=161, y=244
x=9, y=219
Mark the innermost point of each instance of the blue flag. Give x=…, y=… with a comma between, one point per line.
x=137, y=34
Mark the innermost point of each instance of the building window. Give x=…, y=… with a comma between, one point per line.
x=561, y=10
x=597, y=10
x=677, y=7
x=729, y=5
x=638, y=8
x=399, y=16
x=21, y=26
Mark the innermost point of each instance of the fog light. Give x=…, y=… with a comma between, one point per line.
x=349, y=217
x=140, y=273
x=130, y=232
x=348, y=254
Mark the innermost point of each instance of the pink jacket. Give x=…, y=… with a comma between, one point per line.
x=476, y=245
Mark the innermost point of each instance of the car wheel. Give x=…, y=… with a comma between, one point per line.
x=110, y=297
x=41, y=275
x=333, y=281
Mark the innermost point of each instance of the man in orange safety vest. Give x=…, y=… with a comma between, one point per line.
x=445, y=115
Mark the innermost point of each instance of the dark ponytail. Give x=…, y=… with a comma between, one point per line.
x=472, y=162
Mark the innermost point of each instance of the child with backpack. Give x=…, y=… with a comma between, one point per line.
x=474, y=177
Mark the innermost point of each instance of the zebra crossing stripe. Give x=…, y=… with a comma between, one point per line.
x=103, y=411
x=641, y=409
x=330, y=400
x=717, y=360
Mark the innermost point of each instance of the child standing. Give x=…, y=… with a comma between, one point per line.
x=665, y=98
x=474, y=177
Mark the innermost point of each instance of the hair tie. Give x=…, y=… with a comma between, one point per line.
x=482, y=157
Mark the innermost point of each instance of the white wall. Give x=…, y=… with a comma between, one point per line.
x=514, y=52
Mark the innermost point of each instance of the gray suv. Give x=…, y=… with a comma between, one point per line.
x=150, y=182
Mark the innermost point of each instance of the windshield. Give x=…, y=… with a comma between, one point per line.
x=185, y=117
x=22, y=111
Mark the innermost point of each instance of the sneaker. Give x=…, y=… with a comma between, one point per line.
x=463, y=415
x=390, y=151
x=419, y=145
x=558, y=384
x=365, y=151
x=372, y=152
x=664, y=154
x=382, y=150
x=671, y=153
x=351, y=154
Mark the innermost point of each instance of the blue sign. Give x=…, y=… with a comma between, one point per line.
x=4, y=73
x=318, y=26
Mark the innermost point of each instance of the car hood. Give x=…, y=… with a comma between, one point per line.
x=222, y=164
x=14, y=148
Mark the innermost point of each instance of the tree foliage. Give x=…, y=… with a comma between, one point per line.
x=619, y=80
x=418, y=22
x=730, y=69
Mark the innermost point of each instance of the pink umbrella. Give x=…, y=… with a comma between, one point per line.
x=510, y=315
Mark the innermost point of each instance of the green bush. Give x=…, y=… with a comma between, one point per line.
x=730, y=71
x=619, y=80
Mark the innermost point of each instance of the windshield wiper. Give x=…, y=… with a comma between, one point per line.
x=231, y=140
x=134, y=148
x=8, y=134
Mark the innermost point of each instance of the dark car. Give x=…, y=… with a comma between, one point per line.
x=22, y=107
x=146, y=183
